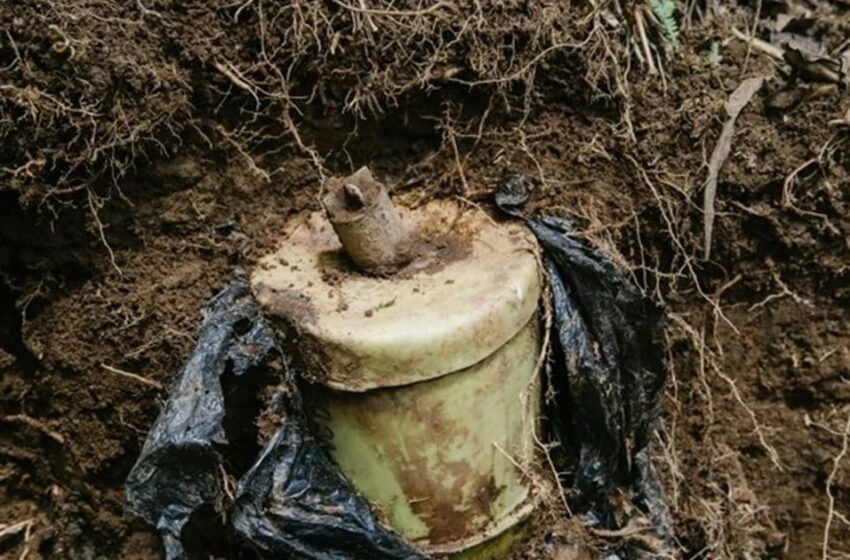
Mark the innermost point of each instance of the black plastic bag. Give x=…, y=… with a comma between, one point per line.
x=609, y=365
x=293, y=500
x=179, y=468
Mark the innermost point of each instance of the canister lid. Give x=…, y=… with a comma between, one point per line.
x=474, y=284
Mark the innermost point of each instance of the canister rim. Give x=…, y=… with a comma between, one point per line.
x=452, y=309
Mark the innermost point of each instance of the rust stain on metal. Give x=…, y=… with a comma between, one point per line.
x=452, y=511
x=285, y=303
x=455, y=500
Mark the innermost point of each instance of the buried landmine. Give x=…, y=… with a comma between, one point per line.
x=412, y=400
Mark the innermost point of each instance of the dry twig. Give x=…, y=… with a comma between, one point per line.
x=135, y=377
x=734, y=105
x=836, y=463
x=362, y=9
x=37, y=425
x=11, y=529
x=763, y=46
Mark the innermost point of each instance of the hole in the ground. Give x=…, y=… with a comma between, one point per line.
x=114, y=471
x=11, y=334
x=10, y=546
x=801, y=397
x=37, y=250
x=45, y=548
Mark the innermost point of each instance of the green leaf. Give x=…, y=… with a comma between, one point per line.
x=665, y=11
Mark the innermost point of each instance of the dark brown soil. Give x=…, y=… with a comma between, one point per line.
x=116, y=228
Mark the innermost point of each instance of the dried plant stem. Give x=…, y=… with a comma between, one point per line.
x=133, y=376
x=36, y=425
x=836, y=463
x=362, y=9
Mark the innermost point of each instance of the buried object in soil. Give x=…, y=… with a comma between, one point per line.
x=292, y=501
x=424, y=382
x=299, y=499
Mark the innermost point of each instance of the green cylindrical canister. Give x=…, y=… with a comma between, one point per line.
x=424, y=382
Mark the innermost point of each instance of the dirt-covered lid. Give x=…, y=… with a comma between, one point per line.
x=472, y=286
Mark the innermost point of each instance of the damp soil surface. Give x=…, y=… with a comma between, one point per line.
x=150, y=151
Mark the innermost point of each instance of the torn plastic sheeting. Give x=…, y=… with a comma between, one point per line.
x=293, y=500
x=179, y=468
x=609, y=339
